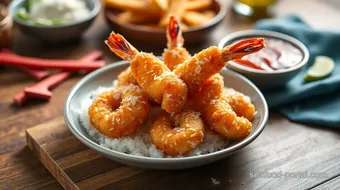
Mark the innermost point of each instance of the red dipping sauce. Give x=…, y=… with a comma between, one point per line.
x=277, y=55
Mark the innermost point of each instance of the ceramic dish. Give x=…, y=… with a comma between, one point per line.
x=105, y=76
x=142, y=34
x=267, y=79
x=58, y=33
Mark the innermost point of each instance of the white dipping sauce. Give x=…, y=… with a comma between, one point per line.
x=58, y=10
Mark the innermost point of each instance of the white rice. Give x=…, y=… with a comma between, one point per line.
x=214, y=181
x=140, y=144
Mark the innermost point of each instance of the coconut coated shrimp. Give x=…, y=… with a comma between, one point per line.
x=186, y=136
x=175, y=54
x=126, y=77
x=119, y=112
x=155, y=78
x=240, y=103
x=217, y=112
x=197, y=69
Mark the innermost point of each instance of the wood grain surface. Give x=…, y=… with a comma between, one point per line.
x=284, y=146
x=297, y=162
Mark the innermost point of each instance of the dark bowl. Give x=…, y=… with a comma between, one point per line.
x=58, y=33
x=155, y=36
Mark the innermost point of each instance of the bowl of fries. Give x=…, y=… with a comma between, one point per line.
x=145, y=21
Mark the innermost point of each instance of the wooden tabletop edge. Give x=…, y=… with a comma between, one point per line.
x=48, y=162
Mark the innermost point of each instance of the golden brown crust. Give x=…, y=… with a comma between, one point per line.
x=196, y=70
x=156, y=79
x=119, y=112
x=240, y=103
x=126, y=77
x=175, y=56
x=188, y=134
x=217, y=112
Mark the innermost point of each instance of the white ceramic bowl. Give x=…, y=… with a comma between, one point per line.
x=266, y=79
x=105, y=76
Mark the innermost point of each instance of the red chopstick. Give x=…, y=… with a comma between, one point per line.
x=37, y=63
x=41, y=89
x=37, y=74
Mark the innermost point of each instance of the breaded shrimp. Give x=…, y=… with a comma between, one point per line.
x=120, y=112
x=217, y=112
x=126, y=77
x=197, y=69
x=187, y=134
x=155, y=78
x=240, y=103
x=175, y=54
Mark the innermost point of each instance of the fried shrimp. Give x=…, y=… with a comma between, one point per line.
x=197, y=69
x=119, y=112
x=175, y=54
x=217, y=112
x=152, y=75
x=240, y=103
x=187, y=134
x=126, y=77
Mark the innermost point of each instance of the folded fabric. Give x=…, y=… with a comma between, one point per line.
x=316, y=102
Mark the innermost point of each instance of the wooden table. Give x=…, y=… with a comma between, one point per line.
x=318, y=148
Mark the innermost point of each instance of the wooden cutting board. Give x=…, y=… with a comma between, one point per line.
x=73, y=164
x=77, y=167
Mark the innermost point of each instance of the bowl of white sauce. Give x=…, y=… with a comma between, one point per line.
x=54, y=21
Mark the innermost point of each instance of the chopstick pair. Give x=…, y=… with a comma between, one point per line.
x=11, y=59
x=37, y=74
x=41, y=88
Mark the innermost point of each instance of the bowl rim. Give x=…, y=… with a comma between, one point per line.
x=92, y=14
x=271, y=34
x=119, y=155
x=214, y=21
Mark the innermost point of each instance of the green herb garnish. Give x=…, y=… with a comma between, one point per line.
x=22, y=13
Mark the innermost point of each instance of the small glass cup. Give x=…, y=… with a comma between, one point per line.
x=6, y=28
x=254, y=8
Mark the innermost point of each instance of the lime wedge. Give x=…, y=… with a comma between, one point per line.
x=321, y=68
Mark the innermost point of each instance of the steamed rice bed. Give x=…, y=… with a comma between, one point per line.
x=140, y=144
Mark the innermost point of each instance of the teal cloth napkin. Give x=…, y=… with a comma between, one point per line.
x=315, y=102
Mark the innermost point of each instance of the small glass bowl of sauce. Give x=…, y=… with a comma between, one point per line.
x=277, y=55
x=274, y=66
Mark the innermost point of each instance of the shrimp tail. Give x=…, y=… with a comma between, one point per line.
x=121, y=47
x=174, y=33
x=242, y=48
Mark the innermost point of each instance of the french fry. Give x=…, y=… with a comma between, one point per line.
x=140, y=6
x=176, y=9
x=197, y=5
x=209, y=13
x=194, y=18
x=162, y=4
x=133, y=18
x=183, y=26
